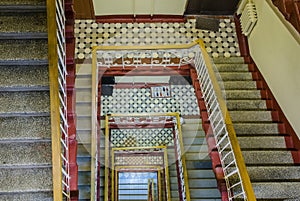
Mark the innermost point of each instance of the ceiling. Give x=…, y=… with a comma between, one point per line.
x=88, y=9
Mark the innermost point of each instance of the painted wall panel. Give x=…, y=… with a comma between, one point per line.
x=277, y=54
x=131, y=7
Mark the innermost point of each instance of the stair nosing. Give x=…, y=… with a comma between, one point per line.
x=23, y=140
x=33, y=114
x=22, y=8
x=23, y=35
x=24, y=88
x=18, y=166
x=24, y=62
x=15, y=165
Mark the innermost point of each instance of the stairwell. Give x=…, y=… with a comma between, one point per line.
x=261, y=136
x=203, y=185
x=202, y=181
x=83, y=86
x=25, y=135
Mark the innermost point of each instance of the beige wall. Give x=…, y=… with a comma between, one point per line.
x=130, y=7
x=277, y=54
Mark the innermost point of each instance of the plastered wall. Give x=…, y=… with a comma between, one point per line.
x=277, y=54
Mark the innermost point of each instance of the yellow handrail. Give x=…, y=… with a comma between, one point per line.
x=186, y=183
x=54, y=101
x=94, y=123
x=230, y=129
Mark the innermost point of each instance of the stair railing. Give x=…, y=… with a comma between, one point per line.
x=235, y=172
x=129, y=57
x=151, y=192
x=236, y=176
x=58, y=94
x=184, y=190
x=162, y=118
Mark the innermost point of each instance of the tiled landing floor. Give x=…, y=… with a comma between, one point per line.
x=88, y=33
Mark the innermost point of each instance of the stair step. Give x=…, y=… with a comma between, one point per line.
x=28, y=196
x=85, y=192
x=242, y=85
x=228, y=60
x=256, y=128
x=274, y=173
x=84, y=109
x=262, y=142
x=195, y=174
x=19, y=6
x=192, y=121
x=202, y=183
x=32, y=25
x=83, y=96
x=246, y=104
x=193, y=134
x=84, y=163
x=25, y=153
x=264, y=157
x=25, y=179
x=84, y=178
x=14, y=128
x=194, y=141
x=250, y=116
x=84, y=123
x=84, y=71
x=36, y=102
x=13, y=78
x=133, y=197
x=193, y=149
x=195, y=165
x=195, y=156
x=83, y=150
x=204, y=193
x=224, y=67
x=276, y=191
x=236, y=76
x=83, y=137
x=83, y=83
x=138, y=190
x=196, y=183
x=191, y=127
x=243, y=95
x=23, y=52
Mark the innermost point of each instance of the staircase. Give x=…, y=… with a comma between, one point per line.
x=83, y=86
x=25, y=135
x=270, y=164
x=202, y=182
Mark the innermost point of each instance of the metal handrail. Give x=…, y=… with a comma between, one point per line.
x=142, y=56
x=58, y=94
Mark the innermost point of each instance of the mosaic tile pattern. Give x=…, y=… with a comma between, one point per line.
x=141, y=137
x=88, y=33
x=136, y=100
x=139, y=160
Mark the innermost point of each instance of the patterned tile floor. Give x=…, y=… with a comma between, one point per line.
x=88, y=33
x=136, y=100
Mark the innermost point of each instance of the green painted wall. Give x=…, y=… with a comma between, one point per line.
x=275, y=49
